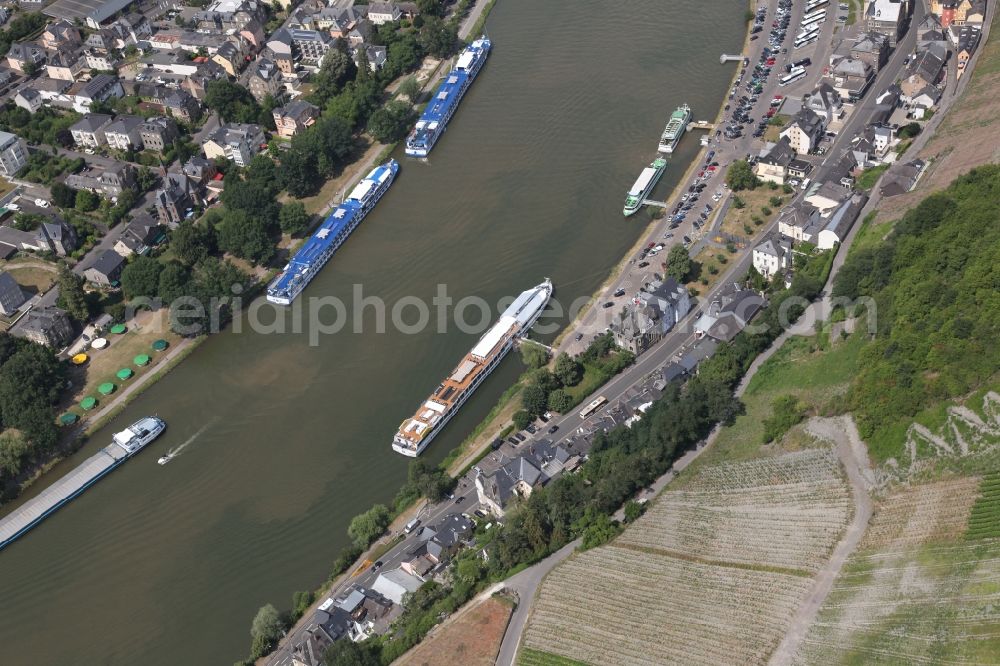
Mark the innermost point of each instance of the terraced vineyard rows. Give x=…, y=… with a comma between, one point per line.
x=984, y=522
x=785, y=512
x=711, y=574
x=617, y=606
x=918, y=593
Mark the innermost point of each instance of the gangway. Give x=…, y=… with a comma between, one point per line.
x=650, y=202
x=724, y=58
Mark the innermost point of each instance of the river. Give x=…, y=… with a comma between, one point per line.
x=167, y=565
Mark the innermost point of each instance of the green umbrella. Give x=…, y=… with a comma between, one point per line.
x=118, y=329
x=124, y=373
x=106, y=388
x=141, y=359
x=160, y=345
x=69, y=418
x=88, y=402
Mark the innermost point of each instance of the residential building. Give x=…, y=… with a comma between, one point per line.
x=230, y=57
x=901, y=178
x=124, y=133
x=778, y=163
x=966, y=39
x=367, y=609
x=729, y=313
x=47, y=326
x=98, y=89
x=59, y=236
x=182, y=105
x=929, y=28
x=840, y=221
x=88, y=132
x=29, y=99
x=11, y=295
x=383, y=12
x=139, y=236
x=823, y=217
x=294, y=117
x=882, y=138
x=395, y=584
x=659, y=307
x=226, y=17
x=804, y=131
x=976, y=13
x=22, y=56
x=438, y=544
x=376, y=56
x=236, y=142
x=106, y=61
x=92, y=13
x=13, y=154
x=326, y=626
x=106, y=269
x=253, y=34
x=514, y=480
x=109, y=182
x=199, y=169
x=311, y=45
x=279, y=49
x=264, y=78
x=772, y=256
x=158, y=133
x=871, y=48
x=60, y=34
x=926, y=69
x=953, y=12
x=825, y=102
x=851, y=77
x=65, y=64
x=174, y=199
x=886, y=17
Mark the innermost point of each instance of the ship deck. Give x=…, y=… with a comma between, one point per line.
x=23, y=517
x=447, y=93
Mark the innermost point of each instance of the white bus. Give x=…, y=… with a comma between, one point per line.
x=813, y=14
x=799, y=43
x=792, y=77
x=813, y=4
x=808, y=32
x=593, y=407
x=806, y=22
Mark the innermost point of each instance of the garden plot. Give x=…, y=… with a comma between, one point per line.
x=622, y=607
x=780, y=513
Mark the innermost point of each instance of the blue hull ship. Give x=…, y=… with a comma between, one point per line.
x=339, y=224
x=442, y=107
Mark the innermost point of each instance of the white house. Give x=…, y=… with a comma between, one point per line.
x=395, y=583
x=13, y=154
x=124, y=133
x=772, y=256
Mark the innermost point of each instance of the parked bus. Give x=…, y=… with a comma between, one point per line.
x=794, y=76
x=816, y=20
x=811, y=15
x=593, y=407
x=814, y=4
x=808, y=32
x=806, y=41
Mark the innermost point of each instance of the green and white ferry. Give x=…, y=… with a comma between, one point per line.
x=675, y=128
x=644, y=184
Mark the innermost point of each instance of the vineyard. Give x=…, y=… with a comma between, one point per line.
x=711, y=574
x=785, y=512
x=915, y=592
x=984, y=521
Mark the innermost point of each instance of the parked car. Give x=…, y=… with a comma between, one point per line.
x=619, y=292
x=642, y=264
x=609, y=304
x=553, y=429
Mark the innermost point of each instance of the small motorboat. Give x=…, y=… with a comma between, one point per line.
x=164, y=459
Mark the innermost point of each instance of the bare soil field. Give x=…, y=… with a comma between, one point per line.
x=471, y=638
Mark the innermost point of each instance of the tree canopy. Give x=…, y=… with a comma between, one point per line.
x=740, y=176
x=678, y=263
x=365, y=528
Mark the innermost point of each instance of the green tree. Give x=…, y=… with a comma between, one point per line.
x=410, y=88
x=293, y=218
x=299, y=172
x=534, y=356
x=266, y=629
x=678, y=263
x=87, y=201
x=632, y=511
x=174, y=281
x=71, y=295
x=437, y=37
x=349, y=653
x=534, y=400
x=365, y=528
x=521, y=419
x=63, y=195
x=560, y=401
x=740, y=176
x=392, y=122
x=567, y=370
x=908, y=131
x=232, y=101
x=141, y=277
x=787, y=411
x=600, y=531
x=192, y=242
x=301, y=601
x=337, y=69
x=246, y=236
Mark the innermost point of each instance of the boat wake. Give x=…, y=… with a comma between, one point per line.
x=173, y=453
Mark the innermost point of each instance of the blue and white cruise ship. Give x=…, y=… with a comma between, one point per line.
x=339, y=224
x=442, y=107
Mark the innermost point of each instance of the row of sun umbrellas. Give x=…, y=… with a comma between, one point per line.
x=107, y=388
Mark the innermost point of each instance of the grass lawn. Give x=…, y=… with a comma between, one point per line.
x=866, y=180
x=529, y=657
x=32, y=279
x=756, y=199
x=705, y=261
x=104, y=363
